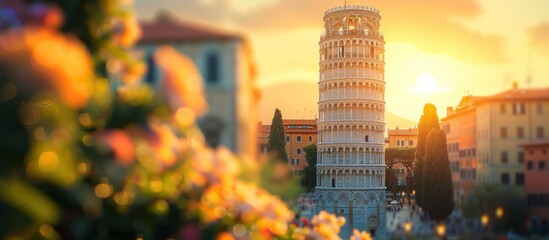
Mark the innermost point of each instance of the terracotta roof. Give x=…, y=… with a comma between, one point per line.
x=400, y=132
x=534, y=144
x=165, y=28
x=520, y=94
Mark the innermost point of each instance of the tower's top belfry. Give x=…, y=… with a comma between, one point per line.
x=352, y=20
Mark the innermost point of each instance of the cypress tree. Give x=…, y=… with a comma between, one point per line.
x=309, y=173
x=427, y=122
x=437, y=187
x=277, y=141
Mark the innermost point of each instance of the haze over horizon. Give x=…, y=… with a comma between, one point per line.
x=436, y=51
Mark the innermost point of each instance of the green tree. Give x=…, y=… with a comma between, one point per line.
x=277, y=141
x=390, y=176
x=427, y=122
x=486, y=198
x=437, y=187
x=309, y=173
x=405, y=156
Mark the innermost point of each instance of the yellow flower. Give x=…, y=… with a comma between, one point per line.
x=358, y=235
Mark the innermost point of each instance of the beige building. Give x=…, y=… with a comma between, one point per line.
x=401, y=138
x=299, y=133
x=485, y=135
x=227, y=66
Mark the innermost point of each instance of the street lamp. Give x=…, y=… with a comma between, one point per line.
x=441, y=230
x=484, y=219
x=408, y=227
x=499, y=212
x=499, y=215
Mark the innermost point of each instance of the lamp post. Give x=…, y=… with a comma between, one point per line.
x=441, y=230
x=499, y=215
x=408, y=228
x=484, y=219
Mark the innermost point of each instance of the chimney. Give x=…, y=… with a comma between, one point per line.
x=449, y=111
x=515, y=85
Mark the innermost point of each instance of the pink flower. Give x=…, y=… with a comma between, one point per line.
x=182, y=84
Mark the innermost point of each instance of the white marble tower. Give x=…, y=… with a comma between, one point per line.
x=351, y=126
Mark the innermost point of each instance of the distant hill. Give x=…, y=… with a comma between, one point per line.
x=299, y=100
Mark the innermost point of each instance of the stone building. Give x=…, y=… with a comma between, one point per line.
x=351, y=127
x=227, y=66
x=299, y=133
x=536, y=189
x=401, y=138
x=485, y=134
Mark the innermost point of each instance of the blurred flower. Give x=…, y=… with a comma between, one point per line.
x=120, y=143
x=358, y=235
x=130, y=32
x=165, y=144
x=43, y=60
x=45, y=15
x=182, y=84
x=327, y=225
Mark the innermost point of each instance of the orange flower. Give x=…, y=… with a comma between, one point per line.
x=43, y=61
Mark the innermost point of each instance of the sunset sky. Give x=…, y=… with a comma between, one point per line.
x=436, y=51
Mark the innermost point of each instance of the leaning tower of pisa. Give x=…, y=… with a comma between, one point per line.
x=351, y=126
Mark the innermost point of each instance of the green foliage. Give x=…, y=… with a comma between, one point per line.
x=437, y=187
x=309, y=173
x=277, y=138
x=428, y=121
x=405, y=156
x=486, y=198
x=391, y=180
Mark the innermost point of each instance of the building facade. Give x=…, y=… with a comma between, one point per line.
x=461, y=138
x=536, y=173
x=298, y=133
x=351, y=127
x=401, y=138
x=485, y=135
x=226, y=64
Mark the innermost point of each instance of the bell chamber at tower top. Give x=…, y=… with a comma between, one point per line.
x=352, y=20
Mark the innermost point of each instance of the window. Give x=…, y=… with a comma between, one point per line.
x=333, y=182
x=520, y=132
x=518, y=108
x=504, y=158
x=298, y=151
x=150, y=76
x=502, y=108
x=310, y=138
x=372, y=54
x=212, y=68
x=520, y=157
x=366, y=139
x=287, y=138
x=532, y=200
x=539, y=108
x=410, y=142
x=298, y=138
x=541, y=165
x=341, y=51
x=505, y=178
x=543, y=200
x=474, y=152
x=519, y=179
x=297, y=161
x=540, y=133
x=503, y=132
x=530, y=165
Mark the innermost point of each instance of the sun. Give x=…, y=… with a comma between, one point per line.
x=425, y=84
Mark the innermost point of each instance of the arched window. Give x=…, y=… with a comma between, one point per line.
x=212, y=68
x=150, y=76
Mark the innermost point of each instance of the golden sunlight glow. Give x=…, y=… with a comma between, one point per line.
x=426, y=84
